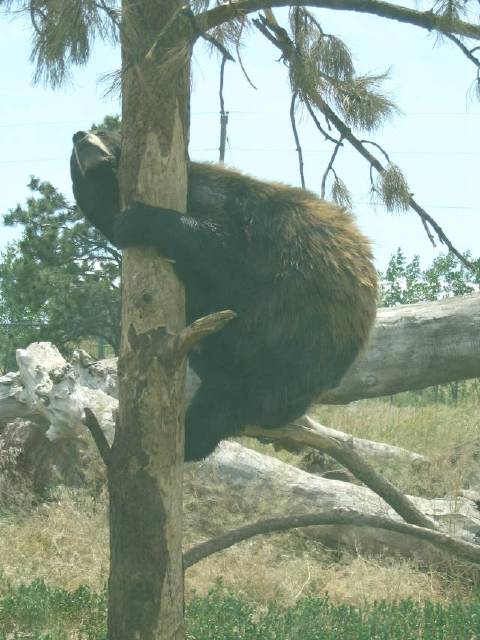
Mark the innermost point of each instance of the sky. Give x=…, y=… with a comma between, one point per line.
x=435, y=139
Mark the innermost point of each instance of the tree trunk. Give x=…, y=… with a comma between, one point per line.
x=146, y=470
x=414, y=346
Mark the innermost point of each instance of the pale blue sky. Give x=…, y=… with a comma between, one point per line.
x=436, y=140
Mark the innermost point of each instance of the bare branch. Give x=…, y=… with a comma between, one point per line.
x=424, y=19
x=199, y=329
x=460, y=548
x=297, y=139
x=305, y=432
x=223, y=114
x=465, y=50
x=330, y=166
x=379, y=147
x=313, y=115
x=239, y=56
x=429, y=233
x=242, y=67
x=98, y=436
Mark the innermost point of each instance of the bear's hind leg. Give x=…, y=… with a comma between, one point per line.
x=214, y=414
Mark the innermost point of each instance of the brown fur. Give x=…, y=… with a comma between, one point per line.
x=295, y=268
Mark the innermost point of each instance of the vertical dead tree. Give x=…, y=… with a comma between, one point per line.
x=146, y=466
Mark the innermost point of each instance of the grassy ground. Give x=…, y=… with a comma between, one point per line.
x=65, y=541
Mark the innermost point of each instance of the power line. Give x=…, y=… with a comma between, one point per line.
x=366, y=203
x=439, y=114
x=346, y=151
x=19, y=161
x=437, y=152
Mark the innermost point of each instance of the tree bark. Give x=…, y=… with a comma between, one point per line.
x=305, y=431
x=146, y=464
x=460, y=548
x=271, y=488
x=414, y=346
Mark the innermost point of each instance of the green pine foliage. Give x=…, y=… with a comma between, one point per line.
x=64, y=31
x=60, y=281
x=323, y=65
x=340, y=193
x=392, y=188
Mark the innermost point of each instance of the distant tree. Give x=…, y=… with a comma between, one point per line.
x=448, y=277
x=401, y=283
x=60, y=281
x=405, y=282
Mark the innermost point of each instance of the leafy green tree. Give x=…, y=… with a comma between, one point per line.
x=402, y=282
x=405, y=282
x=448, y=277
x=60, y=281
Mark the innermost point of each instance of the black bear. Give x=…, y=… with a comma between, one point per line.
x=294, y=268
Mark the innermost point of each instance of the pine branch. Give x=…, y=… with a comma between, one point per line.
x=423, y=19
x=279, y=37
x=98, y=436
x=465, y=50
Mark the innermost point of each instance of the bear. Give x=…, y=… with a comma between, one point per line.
x=294, y=268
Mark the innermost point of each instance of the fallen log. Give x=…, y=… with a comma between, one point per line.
x=412, y=347
x=52, y=388
x=415, y=346
x=274, y=488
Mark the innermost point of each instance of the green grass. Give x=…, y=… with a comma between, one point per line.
x=221, y=616
x=39, y=612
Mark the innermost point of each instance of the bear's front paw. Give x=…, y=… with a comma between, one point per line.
x=132, y=227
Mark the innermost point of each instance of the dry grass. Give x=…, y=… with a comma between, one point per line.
x=432, y=430
x=257, y=571
x=65, y=541
x=66, y=544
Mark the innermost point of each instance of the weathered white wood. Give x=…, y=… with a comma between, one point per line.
x=96, y=374
x=11, y=406
x=85, y=376
x=51, y=389
x=306, y=431
x=412, y=347
x=416, y=346
x=275, y=488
